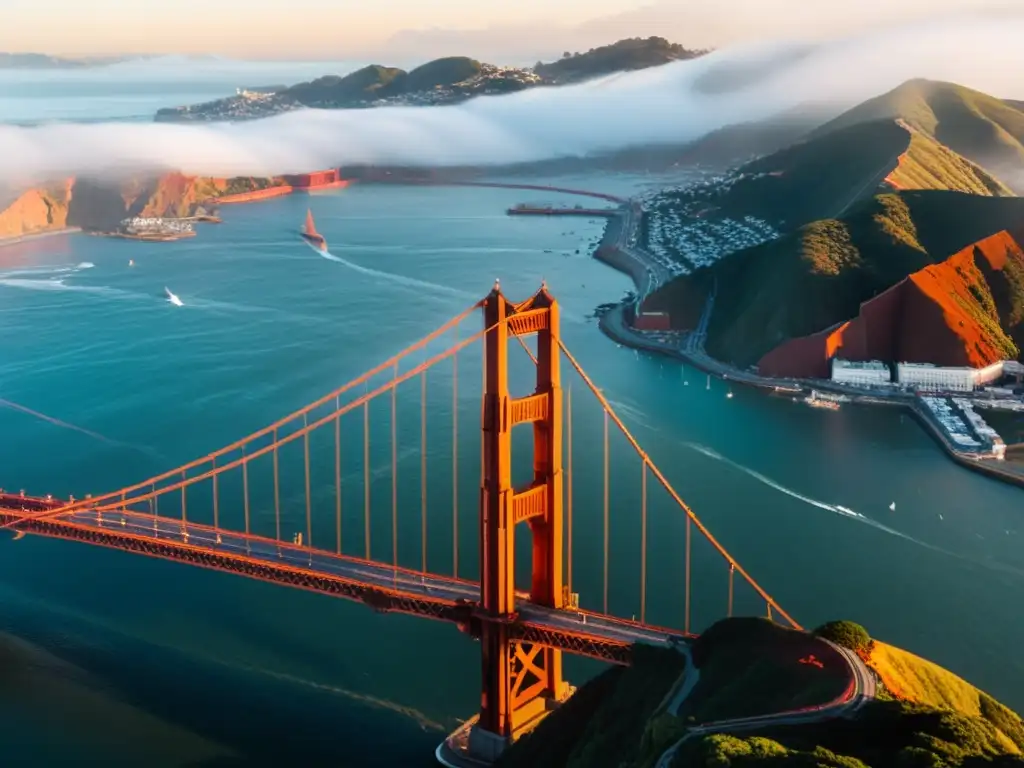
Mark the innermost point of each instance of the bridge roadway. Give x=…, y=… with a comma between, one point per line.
x=384, y=587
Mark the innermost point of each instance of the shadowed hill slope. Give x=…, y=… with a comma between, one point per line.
x=622, y=56
x=982, y=128
x=818, y=276
x=825, y=176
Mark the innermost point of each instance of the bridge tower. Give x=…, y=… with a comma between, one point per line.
x=521, y=682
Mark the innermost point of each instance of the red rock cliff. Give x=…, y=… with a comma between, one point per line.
x=101, y=205
x=967, y=310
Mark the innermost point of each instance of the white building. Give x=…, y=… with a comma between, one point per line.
x=948, y=379
x=869, y=374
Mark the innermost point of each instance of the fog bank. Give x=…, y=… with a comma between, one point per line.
x=675, y=103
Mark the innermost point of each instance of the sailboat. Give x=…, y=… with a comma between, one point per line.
x=892, y=507
x=311, y=236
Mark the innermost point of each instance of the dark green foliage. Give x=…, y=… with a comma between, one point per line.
x=848, y=634
x=1002, y=718
x=882, y=735
x=751, y=666
x=615, y=731
x=625, y=55
x=550, y=743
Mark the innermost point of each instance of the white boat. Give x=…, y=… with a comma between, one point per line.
x=172, y=297
x=892, y=507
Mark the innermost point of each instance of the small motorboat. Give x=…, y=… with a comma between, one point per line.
x=171, y=297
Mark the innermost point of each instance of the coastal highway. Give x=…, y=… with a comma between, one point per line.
x=862, y=690
x=440, y=589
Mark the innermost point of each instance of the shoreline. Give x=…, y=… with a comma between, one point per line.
x=42, y=235
x=612, y=324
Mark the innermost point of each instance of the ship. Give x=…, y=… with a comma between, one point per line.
x=311, y=236
x=817, y=400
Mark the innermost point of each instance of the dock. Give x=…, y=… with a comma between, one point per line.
x=546, y=210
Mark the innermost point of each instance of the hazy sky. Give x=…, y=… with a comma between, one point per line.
x=361, y=29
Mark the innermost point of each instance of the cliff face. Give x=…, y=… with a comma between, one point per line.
x=100, y=205
x=967, y=310
x=37, y=210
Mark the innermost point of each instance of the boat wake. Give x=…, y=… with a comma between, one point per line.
x=408, y=282
x=848, y=513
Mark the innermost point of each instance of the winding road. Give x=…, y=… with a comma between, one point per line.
x=861, y=690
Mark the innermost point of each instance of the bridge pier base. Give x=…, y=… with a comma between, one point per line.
x=471, y=746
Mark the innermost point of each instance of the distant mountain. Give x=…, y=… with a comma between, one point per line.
x=448, y=80
x=982, y=128
x=44, y=61
x=624, y=56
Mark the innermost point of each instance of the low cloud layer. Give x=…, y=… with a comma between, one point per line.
x=673, y=103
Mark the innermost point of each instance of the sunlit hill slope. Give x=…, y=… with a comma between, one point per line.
x=789, y=305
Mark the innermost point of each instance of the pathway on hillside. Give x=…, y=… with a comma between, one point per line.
x=861, y=691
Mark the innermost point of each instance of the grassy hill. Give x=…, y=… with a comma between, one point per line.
x=826, y=175
x=924, y=715
x=817, y=276
x=623, y=56
x=363, y=84
x=982, y=128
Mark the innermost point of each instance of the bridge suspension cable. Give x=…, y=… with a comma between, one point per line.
x=272, y=428
x=690, y=516
x=247, y=457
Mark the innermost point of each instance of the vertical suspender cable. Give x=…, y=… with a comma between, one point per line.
x=216, y=514
x=568, y=491
x=309, y=501
x=245, y=498
x=423, y=471
x=184, y=501
x=277, y=493
x=606, y=512
x=366, y=476
x=455, y=460
x=337, y=474
x=394, y=470
x=643, y=542
x=686, y=621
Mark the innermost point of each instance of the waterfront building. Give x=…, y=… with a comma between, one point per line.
x=948, y=379
x=872, y=373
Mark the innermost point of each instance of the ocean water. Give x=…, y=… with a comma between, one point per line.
x=133, y=660
x=135, y=90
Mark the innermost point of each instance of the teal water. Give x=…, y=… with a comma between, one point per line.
x=133, y=660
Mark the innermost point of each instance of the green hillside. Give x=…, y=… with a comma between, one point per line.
x=817, y=276
x=364, y=84
x=982, y=128
x=751, y=666
x=622, y=56
x=447, y=71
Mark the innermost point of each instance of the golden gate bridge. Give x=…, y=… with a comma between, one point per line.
x=191, y=515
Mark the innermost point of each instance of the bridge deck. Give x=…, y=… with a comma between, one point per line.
x=384, y=587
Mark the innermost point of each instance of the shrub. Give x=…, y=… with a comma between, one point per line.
x=845, y=633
